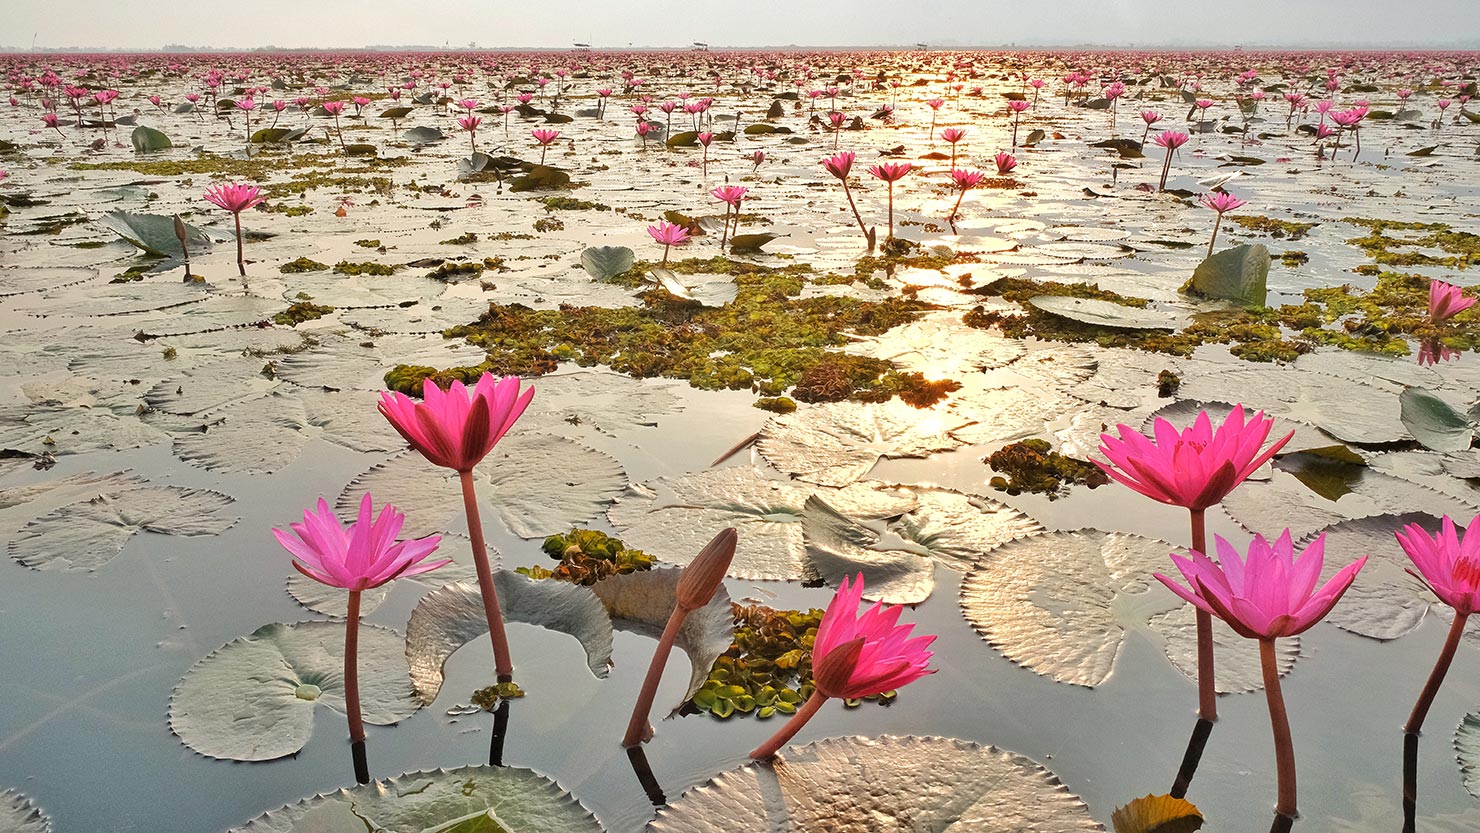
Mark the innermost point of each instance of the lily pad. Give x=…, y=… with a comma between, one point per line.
x=672, y=517
x=1285, y=502
x=1239, y=274
x=751, y=242
x=451, y=617
x=86, y=535
x=474, y=799
x=1105, y=313
x=867, y=785
x=423, y=135
x=1433, y=422
x=606, y=262
x=1386, y=602
x=254, y=699
x=837, y=443
x=533, y=482
x=154, y=233
x=268, y=433
x=19, y=815
x=1062, y=603
x=148, y=140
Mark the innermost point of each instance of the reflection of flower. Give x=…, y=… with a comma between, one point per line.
x=1433, y=351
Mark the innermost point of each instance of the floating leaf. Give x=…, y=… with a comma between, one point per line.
x=1358, y=413
x=1157, y=814
x=751, y=242
x=154, y=233
x=475, y=799
x=534, y=483
x=86, y=535
x=1062, y=604
x=1127, y=148
x=19, y=815
x=686, y=139
x=1425, y=151
x=266, y=434
x=1033, y=138
x=866, y=785
x=1434, y=422
x=451, y=617
x=948, y=527
x=642, y=601
x=837, y=443
x=1238, y=274
x=1386, y=602
x=606, y=262
x=540, y=178
x=1284, y=502
x=1105, y=313
x=606, y=402
x=423, y=135
x=672, y=517
x=254, y=698
x=396, y=113
x=148, y=140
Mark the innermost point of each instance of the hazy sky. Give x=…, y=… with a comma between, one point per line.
x=616, y=23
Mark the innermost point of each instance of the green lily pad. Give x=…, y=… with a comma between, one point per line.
x=1238, y=274
x=1434, y=422
x=277, y=135
x=686, y=139
x=148, y=140
x=606, y=262
x=540, y=178
x=254, y=699
x=154, y=233
x=423, y=135
x=396, y=112
x=751, y=242
x=475, y=799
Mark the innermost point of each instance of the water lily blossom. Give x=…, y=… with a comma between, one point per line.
x=669, y=234
x=456, y=429
x=1221, y=202
x=965, y=180
x=856, y=655
x=731, y=196
x=891, y=172
x=1195, y=469
x=1171, y=140
x=1449, y=565
x=1446, y=301
x=236, y=198
x=1269, y=594
x=840, y=165
x=546, y=138
x=358, y=557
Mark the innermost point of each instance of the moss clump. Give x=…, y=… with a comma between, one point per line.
x=1031, y=466
x=288, y=210
x=368, y=267
x=766, y=340
x=1461, y=248
x=467, y=238
x=1167, y=384
x=302, y=264
x=300, y=312
x=368, y=244
x=1278, y=229
x=488, y=699
x=587, y=556
x=450, y=271
x=776, y=404
x=768, y=667
x=548, y=224
x=1293, y=258
x=839, y=376
x=572, y=204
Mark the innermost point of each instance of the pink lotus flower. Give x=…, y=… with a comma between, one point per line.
x=358, y=557
x=840, y=165
x=1220, y=201
x=856, y=655
x=1195, y=468
x=705, y=138
x=953, y=134
x=333, y=108
x=730, y=195
x=1005, y=163
x=1171, y=140
x=891, y=171
x=1270, y=594
x=1019, y=106
x=1448, y=563
x=236, y=198
x=457, y=428
x=669, y=234
x=470, y=123
x=967, y=179
x=1446, y=301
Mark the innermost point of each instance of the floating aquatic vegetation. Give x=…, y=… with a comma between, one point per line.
x=487, y=799
x=1032, y=466
x=855, y=785
x=254, y=699
x=587, y=556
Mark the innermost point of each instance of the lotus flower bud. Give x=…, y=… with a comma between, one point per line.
x=832, y=673
x=703, y=575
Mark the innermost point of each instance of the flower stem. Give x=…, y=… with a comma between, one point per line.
x=891, y=210
x=1436, y=677
x=241, y=262
x=847, y=192
x=1207, y=695
x=639, y=729
x=769, y=748
x=352, y=688
x=1279, y=721
x=1214, y=238
x=501, y=662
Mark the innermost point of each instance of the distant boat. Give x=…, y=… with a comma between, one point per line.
x=923, y=47
x=699, y=46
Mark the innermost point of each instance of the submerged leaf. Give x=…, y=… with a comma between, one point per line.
x=254, y=699
x=868, y=785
